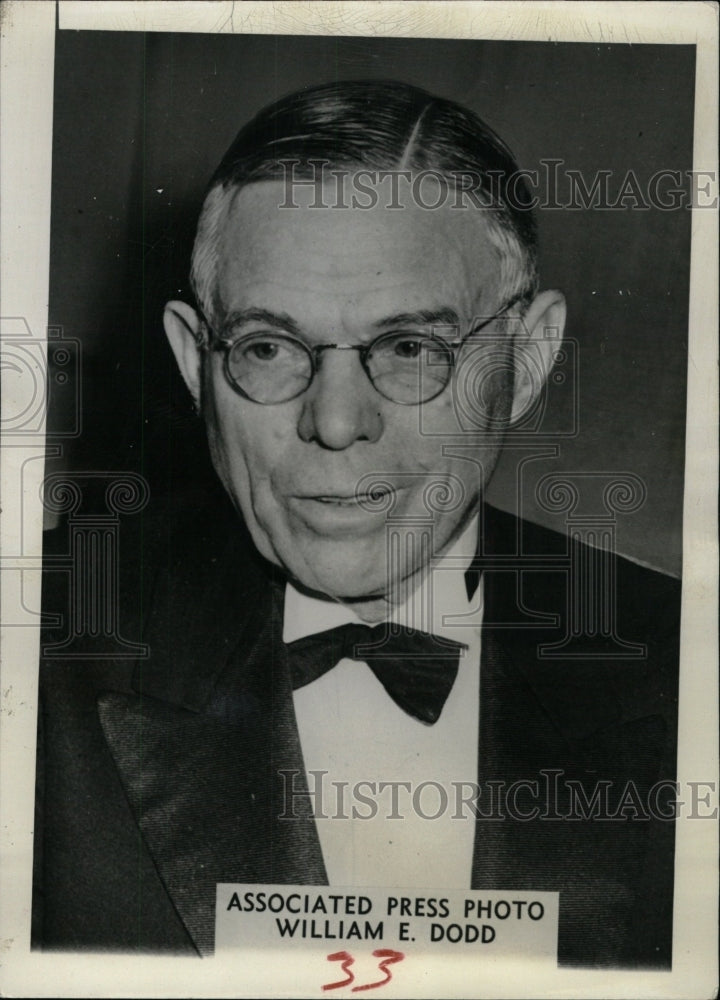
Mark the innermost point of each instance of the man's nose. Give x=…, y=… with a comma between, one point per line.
x=341, y=406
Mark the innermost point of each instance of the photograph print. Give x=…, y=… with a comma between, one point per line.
x=363, y=516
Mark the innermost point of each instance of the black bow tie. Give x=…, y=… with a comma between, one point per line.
x=416, y=669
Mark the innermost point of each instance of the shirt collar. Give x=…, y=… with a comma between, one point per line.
x=435, y=606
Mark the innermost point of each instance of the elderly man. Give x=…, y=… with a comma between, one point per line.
x=367, y=326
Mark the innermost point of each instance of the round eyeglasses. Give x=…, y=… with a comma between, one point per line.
x=405, y=367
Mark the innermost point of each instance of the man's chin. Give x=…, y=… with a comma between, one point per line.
x=340, y=586
x=342, y=569
x=348, y=573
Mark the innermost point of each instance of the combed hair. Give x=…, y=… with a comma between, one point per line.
x=374, y=125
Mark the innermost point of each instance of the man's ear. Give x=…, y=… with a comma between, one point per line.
x=536, y=341
x=183, y=329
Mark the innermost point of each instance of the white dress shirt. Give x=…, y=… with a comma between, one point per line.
x=353, y=731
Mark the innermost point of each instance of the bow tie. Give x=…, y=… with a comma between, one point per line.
x=416, y=669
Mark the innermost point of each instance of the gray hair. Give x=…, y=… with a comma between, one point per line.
x=374, y=125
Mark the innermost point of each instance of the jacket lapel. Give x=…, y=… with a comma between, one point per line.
x=202, y=745
x=548, y=723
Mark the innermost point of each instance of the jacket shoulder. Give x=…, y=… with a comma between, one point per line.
x=646, y=597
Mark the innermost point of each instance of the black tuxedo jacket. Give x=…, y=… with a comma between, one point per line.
x=159, y=778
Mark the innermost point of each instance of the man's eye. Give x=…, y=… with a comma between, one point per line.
x=264, y=349
x=408, y=348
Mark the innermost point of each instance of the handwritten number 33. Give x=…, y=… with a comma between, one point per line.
x=388, y=957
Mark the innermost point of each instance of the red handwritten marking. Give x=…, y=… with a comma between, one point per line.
x=389, y=957
x=347, y=960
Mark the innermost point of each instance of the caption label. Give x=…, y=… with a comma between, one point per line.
x=380, y=931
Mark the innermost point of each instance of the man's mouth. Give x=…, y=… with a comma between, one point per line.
x=356, y=505
x=368, y=499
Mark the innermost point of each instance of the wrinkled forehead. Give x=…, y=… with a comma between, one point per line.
x=328, y=245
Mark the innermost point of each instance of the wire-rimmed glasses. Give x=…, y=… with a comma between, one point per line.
x=406, y=367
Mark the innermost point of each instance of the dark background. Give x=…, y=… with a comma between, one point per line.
x=142, y=120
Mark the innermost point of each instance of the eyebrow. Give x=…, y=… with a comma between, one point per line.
x=443, y=316
x=280, y=320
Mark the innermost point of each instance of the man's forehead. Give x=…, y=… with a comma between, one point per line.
x=262, y=231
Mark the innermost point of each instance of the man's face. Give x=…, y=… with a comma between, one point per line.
x=345, y=276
